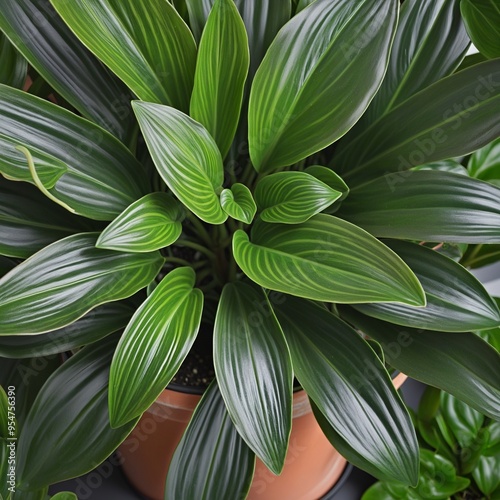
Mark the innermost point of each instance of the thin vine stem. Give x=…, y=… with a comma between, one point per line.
x=198, y=247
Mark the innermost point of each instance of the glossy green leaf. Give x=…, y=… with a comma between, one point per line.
x=221, y=71
x=238, y=203
x=344, y=377
x=13, y=66
x=472, y=60
x=95, y=325
x=330, y=178
x=65, y=280
x=67, y=432
x=4, y=413
x=302, y=4
x=29, y=221
x=456, y=300
x=186, y=157
x=147, y=45
x=67, y=65
x=212, y=460
x=100, y=176
x=482, y=18
x=486, y=474
x=449, y=165
x=293, y=197
x=154, y=345
x=484, y=164
x=294, y=110
x=150, y=223
x=459, y=363
x=64, y=495
x=453, y=117
x=426, y=205
x=254, y=372
x=491, y=336
x=325, y=259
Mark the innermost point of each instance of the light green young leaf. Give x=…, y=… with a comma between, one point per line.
x=150, y=223
x=484, y=164
x=238, y=203
x=294, y=109
x=154, y=345
x=254, y=371
x=146, y=44
x=186, y=156
x=325, y=259
x=293, y=197
x=65, y=280
x=482, y=19
x=221, y=71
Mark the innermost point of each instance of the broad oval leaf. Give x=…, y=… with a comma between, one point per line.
x=67, y=431
x=486, y=475
x=238, y=203
x=221, y=71
x=67, y=65
x=212, y=460
x=65, y=280
x=146, y=44
x=29, y=221
x=154, y=345
x=101, y=176
x=452, y=117
x=95, y=325
x=459, y=363
x=344, y=377
x=150, y=223
x=254, y=372
x=186, y=157
x=294, y=109
x=482, y=19
x=64, y=495
x=292, y=197
x=13, y=66
x=326, y=259
x=456, y=300
x=484, y=164
x=427, y=205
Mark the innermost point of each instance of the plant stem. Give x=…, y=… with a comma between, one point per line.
x=196, y=246
x=202, y=232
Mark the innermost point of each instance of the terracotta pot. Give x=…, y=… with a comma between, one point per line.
x=312, y=465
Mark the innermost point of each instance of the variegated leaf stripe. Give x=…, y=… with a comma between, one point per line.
x=221, y=71
x=151, y=223
x=292, y=197
x=238, y=203
x=317, y=78
x=186, y=156
x=330, y=178
x=65, y=280
x=326, y=259
x=83, y=165
x=154, y=344
x=254, y=371
x=147, y=44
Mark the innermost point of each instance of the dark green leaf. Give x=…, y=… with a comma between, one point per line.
x=450, y=118
x=472, y=60
x=96, y=175
x=147, y=45
x=459, y=363
x=4, y=413
x=212, y=460
x=95, y=325
x=65, y=280
x=186, y=156
x=325, y=259
x=154, y=345
x=427, y=205
x=54, y=51
x=293, y=197
x=150, y=223
x=344, y=377
x=5, y=265
x=221, y=71
x=13, y=66
x=456, y=300
x=444, y=166
x=484, y=164
x=238, y=203
x=254, y=372
x=486, y=474
x=294, y=109
x=482, y=18
x=67, y=431
x=491, y=336
x=29, y=221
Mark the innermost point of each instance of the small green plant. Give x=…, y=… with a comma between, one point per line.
x=270, y=177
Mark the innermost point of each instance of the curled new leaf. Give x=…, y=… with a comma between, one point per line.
x=238, y=203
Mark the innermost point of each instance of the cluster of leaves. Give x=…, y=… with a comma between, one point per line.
x=266, y=169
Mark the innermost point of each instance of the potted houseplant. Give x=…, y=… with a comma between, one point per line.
x=251, y=182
